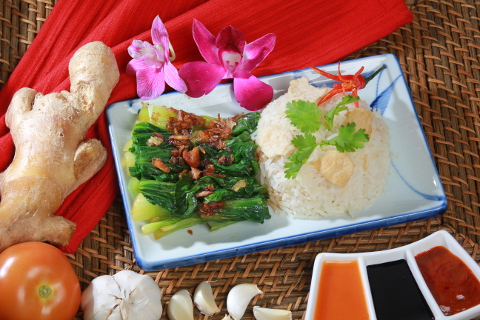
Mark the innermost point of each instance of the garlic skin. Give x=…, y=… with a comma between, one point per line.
x=271, y=314
x=227, y=317
x=239, y=297
x=204, y=300
x=180, y=306
x=125, y=295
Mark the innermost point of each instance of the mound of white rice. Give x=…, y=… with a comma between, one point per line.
x=310, y=195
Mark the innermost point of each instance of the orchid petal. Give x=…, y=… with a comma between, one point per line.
x=231, y=62
x=134, y=50
x=135, y=65
x=205, y=42
x=201, y=77
x=256, y=51
x=230, y=43
x=173, y=79
x=228, y=56
x=160, y=34
x=251, y=93
x=230, y=39
x=152, y=57
x=150, y=83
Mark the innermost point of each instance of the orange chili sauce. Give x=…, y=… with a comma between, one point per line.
x=451, y=282
x=341, y=294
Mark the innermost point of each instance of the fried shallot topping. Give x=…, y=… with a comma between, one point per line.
x=203, y=193
x=183, y=123
x=225, y=160
x=219, y=130
x=192, y=157
x=158, y=163
x=179, y=140
x=184, y=152
x=195, y=173
x=208, y=209
x=155, y=140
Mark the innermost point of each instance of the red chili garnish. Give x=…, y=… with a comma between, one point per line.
x=348, y=83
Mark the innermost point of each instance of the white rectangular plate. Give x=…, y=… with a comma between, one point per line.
x=413, y=192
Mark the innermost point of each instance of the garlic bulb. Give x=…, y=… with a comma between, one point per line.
x=180, y=306
x=204, y=300
x=239, y=297
x=271, y=314
x=125, y=295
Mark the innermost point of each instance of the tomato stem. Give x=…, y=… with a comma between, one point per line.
x=44, y=291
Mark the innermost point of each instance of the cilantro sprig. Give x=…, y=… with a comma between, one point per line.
x=308, y=118
x=304, y=115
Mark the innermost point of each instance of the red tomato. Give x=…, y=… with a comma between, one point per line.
x=38, y=282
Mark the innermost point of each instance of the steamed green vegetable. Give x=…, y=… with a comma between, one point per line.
x=173, y=193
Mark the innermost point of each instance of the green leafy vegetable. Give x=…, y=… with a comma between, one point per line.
x=247, y=123
x=231, y=188
x=252, y=209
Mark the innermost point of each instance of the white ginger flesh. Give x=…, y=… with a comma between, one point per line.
x=52, y=157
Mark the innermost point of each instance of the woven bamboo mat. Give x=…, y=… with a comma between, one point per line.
x=439, y=53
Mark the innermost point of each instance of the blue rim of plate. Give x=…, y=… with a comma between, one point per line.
x=296, y=239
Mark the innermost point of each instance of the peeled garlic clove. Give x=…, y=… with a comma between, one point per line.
x=227, y=317
x=239, y=297
x=204, y=300
x=271, y=314
x=180, y=306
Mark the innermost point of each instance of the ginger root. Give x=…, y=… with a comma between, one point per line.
x=51, y=157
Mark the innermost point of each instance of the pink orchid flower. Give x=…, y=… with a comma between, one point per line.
x=152, y=65
x=228, y=56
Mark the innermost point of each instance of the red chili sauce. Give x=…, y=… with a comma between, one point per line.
x=452, y=283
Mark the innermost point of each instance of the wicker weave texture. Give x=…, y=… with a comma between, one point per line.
x=439, y=53
x=20, y=22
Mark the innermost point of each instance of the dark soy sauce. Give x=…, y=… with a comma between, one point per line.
x=395, y=293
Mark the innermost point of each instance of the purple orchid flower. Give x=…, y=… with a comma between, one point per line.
x=228, y=56
x=152, y=64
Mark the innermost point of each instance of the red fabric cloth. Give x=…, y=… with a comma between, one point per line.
x=309, y=33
